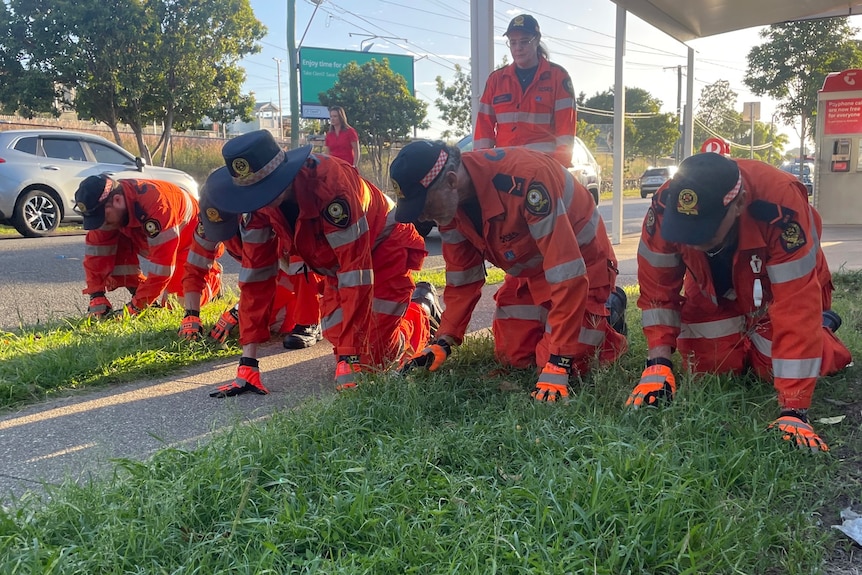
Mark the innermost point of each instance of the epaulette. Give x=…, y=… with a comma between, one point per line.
x=659, y=200
x=771, y=213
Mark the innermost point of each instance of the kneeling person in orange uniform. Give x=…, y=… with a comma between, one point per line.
x=139, y=235
x=522, y=211
x=342, y=227
x=731, y=274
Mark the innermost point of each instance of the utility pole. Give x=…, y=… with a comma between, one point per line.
x=280, y=109
x=677, y=148
x=294, y=73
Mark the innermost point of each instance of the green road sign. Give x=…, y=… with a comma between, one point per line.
x=319, y=68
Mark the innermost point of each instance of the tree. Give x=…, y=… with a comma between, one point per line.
x=716, y=111
x=382, y=109
x=793, y=62
x=455, y=104
x=23, y=91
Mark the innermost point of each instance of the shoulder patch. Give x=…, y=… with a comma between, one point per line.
x=649, y=221
x=506, y=184
x=538, y=200
x=771, y=213
x=337, y=213
x=152, y=227
x=792, y=237
x=567, y=86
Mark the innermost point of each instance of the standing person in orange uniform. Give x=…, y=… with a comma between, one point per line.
x=530, y=102
x=343, y=228
x=342, y=141
x=139, y=235
x=732, y=275
x=525, y=213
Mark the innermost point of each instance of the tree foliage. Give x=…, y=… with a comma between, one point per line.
x=138, y=62
x=791, y=65
x=455, y=104
x=380, y=108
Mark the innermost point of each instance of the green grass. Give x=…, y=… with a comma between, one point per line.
x=461, y=472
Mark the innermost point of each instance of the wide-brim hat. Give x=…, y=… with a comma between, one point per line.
x=256, y=171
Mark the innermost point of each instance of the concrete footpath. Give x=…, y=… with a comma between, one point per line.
x=75, y=438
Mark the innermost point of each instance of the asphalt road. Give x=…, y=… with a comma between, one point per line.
x=42, y=278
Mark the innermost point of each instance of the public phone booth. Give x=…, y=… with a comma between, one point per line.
x=838, y=143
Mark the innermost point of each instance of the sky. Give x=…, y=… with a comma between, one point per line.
x=437, y=34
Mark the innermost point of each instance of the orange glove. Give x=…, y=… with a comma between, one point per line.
x=225, y=324
x=553, y=384
x=657, y=384
x=191, y=328
x=432, y=357
x=99, y=307
x=795, y=427
x=345, y=372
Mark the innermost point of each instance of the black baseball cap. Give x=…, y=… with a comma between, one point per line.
x=215, y=225
x=698, y=198
x=415, y=169
x=90, y=199
x=523, y=23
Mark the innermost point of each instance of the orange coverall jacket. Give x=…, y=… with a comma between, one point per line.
x=542, y=117
x=158, y=235
x=537, y=223
x=781, y=284
x=340, y=227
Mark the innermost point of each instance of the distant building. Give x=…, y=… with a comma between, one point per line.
x=266, y=117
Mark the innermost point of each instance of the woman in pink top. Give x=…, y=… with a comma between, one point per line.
x=342, y=141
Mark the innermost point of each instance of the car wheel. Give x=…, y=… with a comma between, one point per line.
x=37, y=214
x=644, y=194
x=595, y=193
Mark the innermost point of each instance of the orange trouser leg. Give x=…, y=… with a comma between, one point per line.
x=307, y=289
x=281, y=318
x=127, y=268
x=518, y=325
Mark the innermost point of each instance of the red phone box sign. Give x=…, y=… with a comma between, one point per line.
x=843, y=115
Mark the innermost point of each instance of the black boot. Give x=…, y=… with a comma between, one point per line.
x=831, y=320
x=425, y=295
x=617, y=303
x=303, y=336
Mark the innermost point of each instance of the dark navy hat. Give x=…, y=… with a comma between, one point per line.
x=256, y=171
x=90, y=199
x=523, y=23
x=413, y=171
x=216, y=225
x=698, y=198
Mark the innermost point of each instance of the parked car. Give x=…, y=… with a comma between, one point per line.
x=584, y=166
x=40, y=171
x=653, y=178
x=806, y=176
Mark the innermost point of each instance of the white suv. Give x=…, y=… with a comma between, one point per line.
x=40, y=171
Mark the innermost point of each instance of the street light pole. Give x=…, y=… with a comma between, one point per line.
x=280, y=109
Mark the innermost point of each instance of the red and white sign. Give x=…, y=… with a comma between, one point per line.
x=716, y=146
x=843, y=116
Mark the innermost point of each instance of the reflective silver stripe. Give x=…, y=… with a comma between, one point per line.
x=125, y=271
x=486, y=109
x=349, y=234
x=291, y=268
x=554, y=378
x=468, y=276
x=100, y=250
x=332, y=319
x=160, y=270
x=529, y=265
x=356, y=278
x=206, y=244
x=569, y=189
x=658, y=260
x=713, y=329
x=564, y=104
x=388, y=307
x=796, y=368
x=146, y=265
x=660, y=316
x=256, y=235
x=483, y=143
x=165, y=236
x=199, y=261
x=566, y=271
x=451, y=236
x=522, y=312
x=588, y=232
x=568, y=141
x=547, y=147
x=387, y=227
x=780, y=273
x=545, y=226
x=762, y=344
x=247, y=275
x=593, y=337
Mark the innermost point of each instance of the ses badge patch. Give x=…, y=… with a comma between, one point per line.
x=792, y=237
x=337, y=213
x=538, y=200
x=152, y=227
x=650, y=222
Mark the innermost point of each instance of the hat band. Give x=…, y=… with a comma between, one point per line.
x=435, y=169
x=257, y=176
x=731, y=195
